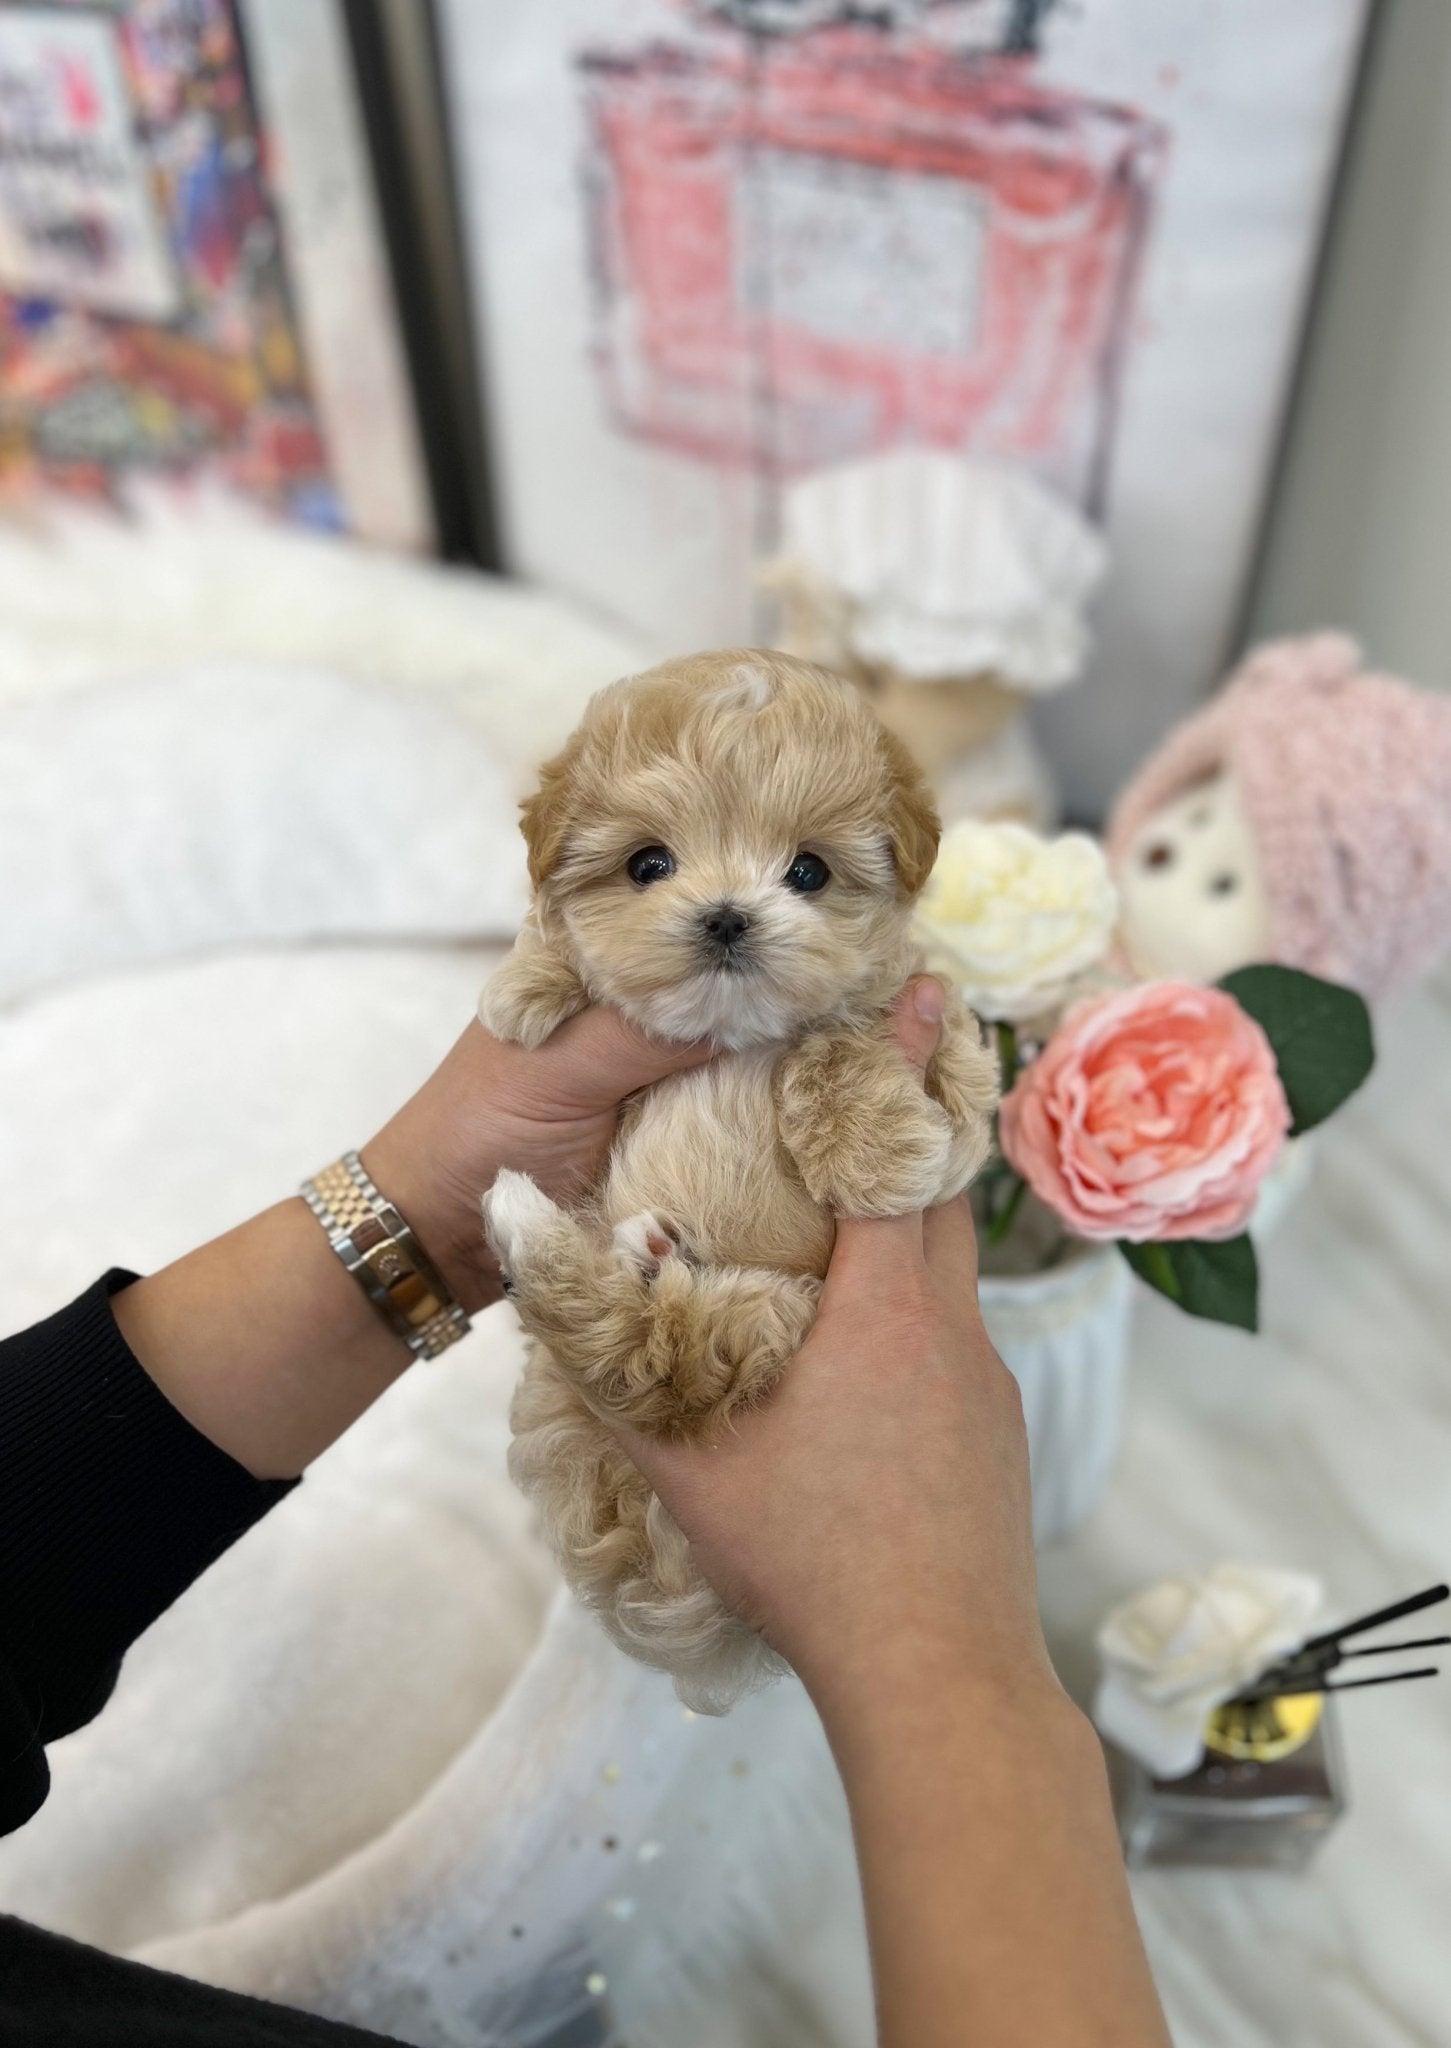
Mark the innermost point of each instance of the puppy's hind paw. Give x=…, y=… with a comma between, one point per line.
x=518, y=1219
x=646, y=1241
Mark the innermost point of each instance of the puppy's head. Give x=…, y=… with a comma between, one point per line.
x=729, y=847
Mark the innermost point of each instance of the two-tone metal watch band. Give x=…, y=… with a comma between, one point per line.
x=384, y=1257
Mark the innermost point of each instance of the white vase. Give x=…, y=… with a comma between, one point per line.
x=1064, y=1335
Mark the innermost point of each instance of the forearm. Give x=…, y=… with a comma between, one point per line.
x=263, y=1341
x=997, y=1904
x=262, y=1338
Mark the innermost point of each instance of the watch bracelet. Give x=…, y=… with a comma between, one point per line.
x=379, y=1248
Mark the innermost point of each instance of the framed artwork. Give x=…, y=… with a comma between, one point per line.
x=195, y=281
x=764, y=237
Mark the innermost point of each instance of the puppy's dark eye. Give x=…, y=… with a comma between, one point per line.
x=807, y=873
x=650, y=864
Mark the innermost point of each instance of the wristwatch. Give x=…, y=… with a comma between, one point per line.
x=384, y=1257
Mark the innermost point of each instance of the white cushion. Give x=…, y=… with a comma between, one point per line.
x=241, y=802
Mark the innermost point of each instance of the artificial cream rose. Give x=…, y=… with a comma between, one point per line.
x=1175, y=1651
x=1152, y=1113
x=1016, y=920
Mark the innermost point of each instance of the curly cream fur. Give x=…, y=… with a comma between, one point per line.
x=678, y=1291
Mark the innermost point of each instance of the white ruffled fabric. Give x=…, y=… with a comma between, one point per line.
x=952, y=567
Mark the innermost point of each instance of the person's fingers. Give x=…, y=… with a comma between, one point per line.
x=871, y=1252
x=918, y=1019
x=600, y=1057
x=949, y=1243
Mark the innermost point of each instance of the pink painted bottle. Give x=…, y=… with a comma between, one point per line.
x=817, y=235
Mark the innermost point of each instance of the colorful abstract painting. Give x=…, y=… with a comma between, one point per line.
x=79, y=218
x=168, y=306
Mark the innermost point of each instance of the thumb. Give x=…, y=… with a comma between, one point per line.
x=917, y=1019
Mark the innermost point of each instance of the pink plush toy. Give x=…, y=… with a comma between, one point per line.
x=1304, y=816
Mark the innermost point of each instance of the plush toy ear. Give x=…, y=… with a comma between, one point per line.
x=913, y=826
x=546, y=816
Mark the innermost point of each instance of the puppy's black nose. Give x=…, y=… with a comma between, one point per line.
x=724, y=925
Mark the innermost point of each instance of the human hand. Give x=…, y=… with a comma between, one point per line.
x=873, y=1518
x=550, y=1113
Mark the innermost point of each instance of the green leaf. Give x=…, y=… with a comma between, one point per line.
x=1219, y=1281
x=1004, y=1218
x=1320, y=1032
x=1152, y=1263
x=1007, y=1038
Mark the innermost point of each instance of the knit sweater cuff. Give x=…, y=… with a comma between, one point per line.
x=111, y=1504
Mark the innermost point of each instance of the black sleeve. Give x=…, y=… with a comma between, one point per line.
x=56, y=1994
x=110, y=1505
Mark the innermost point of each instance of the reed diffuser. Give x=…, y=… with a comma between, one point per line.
x=1221, y=1720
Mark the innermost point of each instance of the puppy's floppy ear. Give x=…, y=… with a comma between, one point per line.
x=545, y=817
x=913, y=826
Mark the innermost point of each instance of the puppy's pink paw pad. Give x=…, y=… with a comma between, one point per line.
x=646, y=1241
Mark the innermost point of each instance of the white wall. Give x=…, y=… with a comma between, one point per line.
x=1360, y=528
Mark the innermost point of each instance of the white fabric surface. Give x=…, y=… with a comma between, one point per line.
x=91, y=599
x=203, y=807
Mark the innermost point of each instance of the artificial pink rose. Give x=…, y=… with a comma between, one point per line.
x=1153, y=1112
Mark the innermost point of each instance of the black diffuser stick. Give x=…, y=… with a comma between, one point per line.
x=1432, y=1597
x=1388, y=1649
x=1309, y=1685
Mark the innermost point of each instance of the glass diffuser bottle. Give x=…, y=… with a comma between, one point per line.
x=1268, y=1791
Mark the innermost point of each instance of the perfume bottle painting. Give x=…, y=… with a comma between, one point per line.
x=811, y=246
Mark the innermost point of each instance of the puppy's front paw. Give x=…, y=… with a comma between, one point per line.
x=963, y=1076
x=888, y=1171
x=532, y=994
x=865, y=1138
x=519, y=1220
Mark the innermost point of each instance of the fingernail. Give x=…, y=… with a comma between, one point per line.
x=929, y=999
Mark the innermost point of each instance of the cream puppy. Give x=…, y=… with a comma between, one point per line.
x=728, y=847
